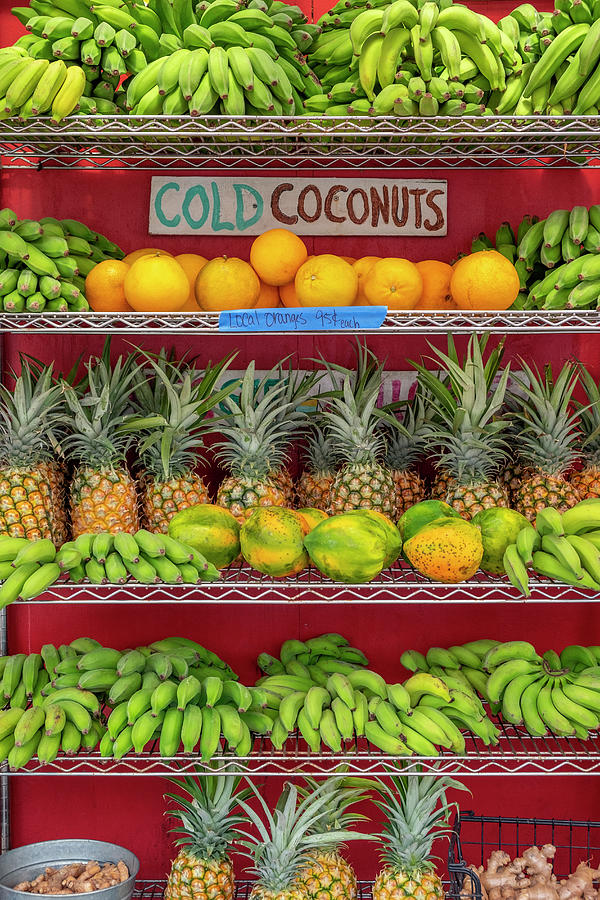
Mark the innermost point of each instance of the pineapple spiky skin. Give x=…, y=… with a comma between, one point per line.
x=468, y=500
x=241, y=495
x=328, y=876
x=55, y=475
x=512, y=477
x=363, y=486
x=313, y=491
x=541, y=490
x=285, y=482
x=587, y=483
x=161, y=500
x=394, y=884
x=25, y=503
x=195, y=879
x=410, y=489
x=103, y=500
x=442, y=485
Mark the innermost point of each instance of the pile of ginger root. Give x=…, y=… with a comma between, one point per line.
x=530, y=877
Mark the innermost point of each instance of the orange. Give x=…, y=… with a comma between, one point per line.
x=277, y=255
x=145, y=251
x=156, y=283
x=393, y=282
x=326, y=280
x=349, y=259
x=287, y=293
x=191, y=263
x=268, y=297
x=104, y=286
x=484, y=280
x=361, y=267
x=436, y=277
x=227, y=283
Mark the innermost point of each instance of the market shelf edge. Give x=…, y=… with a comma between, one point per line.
x=517, y=753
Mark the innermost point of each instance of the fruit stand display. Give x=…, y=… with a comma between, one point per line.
x=298, y=642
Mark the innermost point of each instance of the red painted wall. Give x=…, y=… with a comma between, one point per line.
x=130, y=811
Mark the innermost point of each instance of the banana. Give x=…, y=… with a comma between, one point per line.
x=582, y=695
x=19, y=757
x=192, y=68
x=330, y=734
x=454, y=739
x=204, y=97
x=11, y=676
x=117, y=720
x=511, y=698
x=387, y=743
x=555, y=721
x=237, y=694
x=74, y=695
x=232, y=726
x=367, y=64
x=23, y=85
x=210, y=737
x=424, y=683
x=343, y=719
x=257, y=721
x=563, y=45
x=290, y=707
x=187, y=691
x=532, y=721
x=124, y=688
x=191, y=728
x=504, y=674
x=67, y=98
x=438, y=656
x=578, y=224
x=548, y=565
x=98, y=680
x=527, y=541
x=369, y=681
x=30, y=672
x=99, y=658
x=503, y=652
x=316, y=699
x=588, y=554
x=123, y=743
x=141, y=702
x=170, y=732
x=28, y=725
x=413, y=661
x=576, y=657
x=367, y=23
x=163, y=697
x=391, y=53
x=564, y=552
x=48, y=747
x=77, y=714
x=386, y=716
x=572, y=710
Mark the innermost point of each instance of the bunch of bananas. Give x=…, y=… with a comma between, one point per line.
x=552, y=692
x=59, y=698
x=28, y=568
x=43, y=264
x=409, y=59
x=324, y=691
x=227, y=56
x=564, y=547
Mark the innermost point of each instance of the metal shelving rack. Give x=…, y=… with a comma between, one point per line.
x=221, y=142
x=207, y=324
x=241, y=584
x=517, y=753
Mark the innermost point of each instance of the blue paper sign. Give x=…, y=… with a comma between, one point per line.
x=305, y=318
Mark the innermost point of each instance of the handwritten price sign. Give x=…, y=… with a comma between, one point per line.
x=323, y=206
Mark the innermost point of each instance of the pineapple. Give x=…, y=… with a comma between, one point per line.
x=171, y=409
x=548, y=440
x=102, y=494
x=468, y=432
x=203, y=869
x=257, y=432
x=417, y=813
x=354, y=427
x=27, y=416
x=281, y=854
x=587, y=481
x=404, y=448
x=326, y=870
x=314, y=485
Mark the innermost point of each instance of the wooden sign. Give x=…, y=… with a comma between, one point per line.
x=321, y=206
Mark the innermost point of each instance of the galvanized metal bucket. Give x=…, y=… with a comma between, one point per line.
x=26, y=863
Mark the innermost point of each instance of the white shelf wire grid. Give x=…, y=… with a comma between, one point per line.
x=517, y=753
x=239, y=584
x=406, y=322
x=154, y=890
x=221, y=142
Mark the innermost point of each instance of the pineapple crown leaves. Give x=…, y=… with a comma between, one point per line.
x=550, y=429
x=28, y=415
x=284, y=839
x=589, y=416
x=97, y=414
x=417, y=813
x=470, y=428
x=341, y=792
x=260, y=424
x=208, y=824
x=171, y=412
x=319, y=450
x=405, y=444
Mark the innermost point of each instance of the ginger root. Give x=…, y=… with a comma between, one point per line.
x=530, y=877
x=76, y=878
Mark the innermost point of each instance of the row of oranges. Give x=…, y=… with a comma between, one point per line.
x=281, y=273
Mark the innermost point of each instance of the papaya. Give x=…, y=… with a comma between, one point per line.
x=272, y=541
x=209, y=529
x=393, y=540
x=447, y=549
x=348, y=548
x=311, y=517
x=421, y=514
x=499, y=528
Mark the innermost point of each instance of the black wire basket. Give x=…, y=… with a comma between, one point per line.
x=473, y=839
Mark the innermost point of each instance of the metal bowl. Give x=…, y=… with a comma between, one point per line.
x=26, y=863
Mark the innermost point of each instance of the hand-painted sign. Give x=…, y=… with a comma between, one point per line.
x=325, y=206
x=321, y=318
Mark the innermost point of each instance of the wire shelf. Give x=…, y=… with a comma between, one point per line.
x=240, y=584
x=517, y=753
x=154, y=890
x=510, y=321
x=160, y=142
